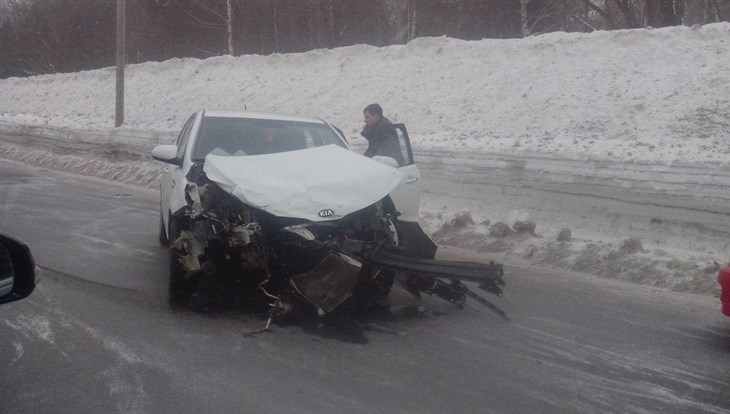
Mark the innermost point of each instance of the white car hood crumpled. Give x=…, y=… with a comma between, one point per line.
x=316, y=184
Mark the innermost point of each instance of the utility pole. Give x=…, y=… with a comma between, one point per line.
x=121, y=57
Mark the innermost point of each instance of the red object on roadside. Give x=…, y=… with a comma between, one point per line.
x=724, y=280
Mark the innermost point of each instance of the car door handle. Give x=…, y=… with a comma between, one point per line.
x=411, y=180
x=173, y=183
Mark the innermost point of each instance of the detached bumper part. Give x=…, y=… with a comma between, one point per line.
x=489, y=276
x=425, y=275
x=330, y=283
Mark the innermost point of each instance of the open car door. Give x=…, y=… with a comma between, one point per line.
x=407, y=196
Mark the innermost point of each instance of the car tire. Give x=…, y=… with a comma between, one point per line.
x=367, y=295
x=384, y=281
x=181, y=287
x=164, y=241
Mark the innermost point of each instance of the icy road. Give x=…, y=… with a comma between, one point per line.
x=97, y=335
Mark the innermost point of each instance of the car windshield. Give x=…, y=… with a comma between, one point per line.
x=244, y=136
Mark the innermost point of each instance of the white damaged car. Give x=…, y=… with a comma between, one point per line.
x=280, y=205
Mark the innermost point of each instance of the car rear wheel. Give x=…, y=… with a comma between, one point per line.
x=164, y=241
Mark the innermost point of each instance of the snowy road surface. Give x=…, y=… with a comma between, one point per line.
x=97, y=335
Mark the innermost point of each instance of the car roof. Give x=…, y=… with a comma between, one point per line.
x=262, y=115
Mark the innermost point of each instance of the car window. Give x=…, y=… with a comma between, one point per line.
x=182, y=139
x=404, y=147
x=242, y=136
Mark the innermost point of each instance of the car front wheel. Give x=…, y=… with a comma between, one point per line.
x=181, y=286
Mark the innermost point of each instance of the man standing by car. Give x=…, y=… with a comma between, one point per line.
x=381, y=135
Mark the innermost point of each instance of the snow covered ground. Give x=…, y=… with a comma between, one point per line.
x=564, y=107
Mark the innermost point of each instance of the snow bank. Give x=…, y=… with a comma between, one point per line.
x=654, y=95
x=122, y=139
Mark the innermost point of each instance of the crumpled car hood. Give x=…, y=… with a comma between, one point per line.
x=316, y=184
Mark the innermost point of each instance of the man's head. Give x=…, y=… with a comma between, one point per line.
x=372, y=113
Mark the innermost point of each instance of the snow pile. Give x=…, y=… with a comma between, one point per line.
x=680, y=270
x=653, y=95
x=119, y=169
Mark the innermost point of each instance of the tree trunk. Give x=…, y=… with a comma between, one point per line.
x=523, y=17
x=276, y=31
x=332, y=34
x=716, y=10
x=629, y=15
x=412, y=20
x=603, y=13
x=229, y=26
x=679, y=7
x=310, y=27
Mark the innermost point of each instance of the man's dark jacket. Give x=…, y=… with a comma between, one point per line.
x=382, y=140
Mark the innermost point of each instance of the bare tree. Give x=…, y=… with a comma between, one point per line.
x=678, y=7
x=412, y=15
x=69, y=35
x=523, y=17
x=229, y=26
x=208, y=16
x=548, y=16
x=603, y=11
x=713, y=4
x=276, y=30
x=397, y=17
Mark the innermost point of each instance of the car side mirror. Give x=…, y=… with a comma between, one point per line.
x=17, y=269
x=167, y=154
